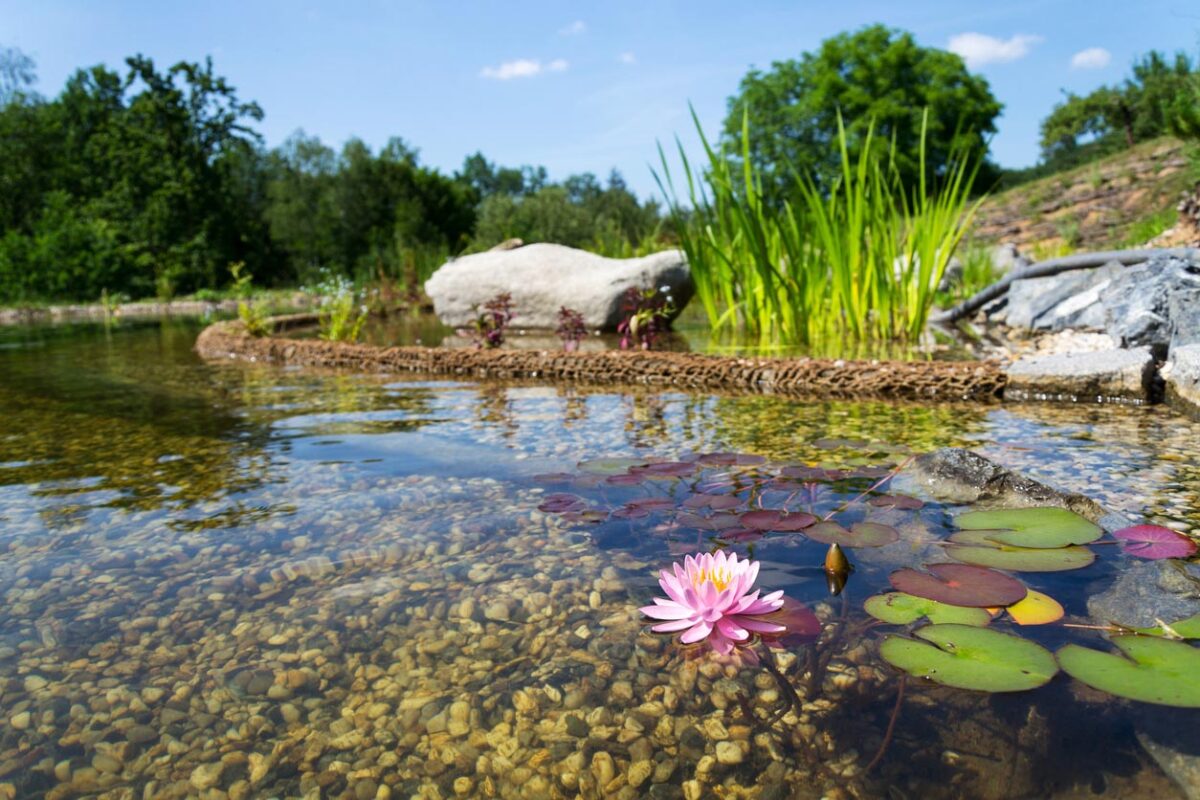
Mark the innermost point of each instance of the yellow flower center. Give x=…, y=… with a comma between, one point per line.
x=719, y=578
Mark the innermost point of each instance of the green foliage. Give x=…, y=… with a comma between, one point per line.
x=898, y=96
x=862, y=260
x=123, y=183
x=579, y=212
x=1147, y=228
x=254, y=317
x=341, y=315
x=1152, y=102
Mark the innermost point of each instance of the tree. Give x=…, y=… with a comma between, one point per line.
x=1146, y=105
x=17, y=74
x=875, y=76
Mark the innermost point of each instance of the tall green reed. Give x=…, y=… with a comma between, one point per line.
x=860, y=260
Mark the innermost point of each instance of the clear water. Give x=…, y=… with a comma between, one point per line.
x=243, y=580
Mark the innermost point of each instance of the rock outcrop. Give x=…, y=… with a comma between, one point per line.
x=542, y=278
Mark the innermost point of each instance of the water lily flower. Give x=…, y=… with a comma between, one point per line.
x=709, y=597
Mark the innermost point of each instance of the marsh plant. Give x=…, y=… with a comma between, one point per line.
x=253, y=315
x=648, y=315
x=571, y=328
x=861, y=260
x=491, y=322
x=342, y=316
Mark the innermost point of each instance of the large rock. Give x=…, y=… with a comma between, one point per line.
x=1067, y=300
x=960, y=476
x=1182, y=375
x=1006, y=258
x=1141, y=302
x=542, y=278
x=1100, y=376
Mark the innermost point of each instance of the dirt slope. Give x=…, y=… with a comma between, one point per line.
x=1122, y=200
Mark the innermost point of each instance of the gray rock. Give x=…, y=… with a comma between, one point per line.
x=1182, y=375
x=1138, y=302
x=1068, y=300
x=542, y=278
x=1100, y=376
x=1184, y=311
x=1146, y=591
x=1171, y=738
x=1006, y=257
x=961, y=476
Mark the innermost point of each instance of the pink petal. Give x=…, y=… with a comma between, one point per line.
x=758, y=625
x=721, y=644
x=667, y=610
x=726, y=626
x=670, y=584
x=672, y=626
x=696, y=632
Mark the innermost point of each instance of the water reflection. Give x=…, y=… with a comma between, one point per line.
x=270, y=582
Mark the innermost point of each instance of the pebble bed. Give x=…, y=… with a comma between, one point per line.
x=340, y=586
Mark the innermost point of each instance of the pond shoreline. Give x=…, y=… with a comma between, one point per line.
x=95, y=312
x=982, y=381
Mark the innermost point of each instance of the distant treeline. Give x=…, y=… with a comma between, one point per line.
x=153, y=182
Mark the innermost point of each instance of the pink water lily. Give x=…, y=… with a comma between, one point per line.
x=710, y=597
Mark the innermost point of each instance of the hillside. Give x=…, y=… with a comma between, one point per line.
x=1123, y=200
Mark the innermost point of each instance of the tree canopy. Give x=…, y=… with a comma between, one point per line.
x=1156, y=99
x=153, y=182
x=877, y=76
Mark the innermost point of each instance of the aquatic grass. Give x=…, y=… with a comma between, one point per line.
x=862, y=260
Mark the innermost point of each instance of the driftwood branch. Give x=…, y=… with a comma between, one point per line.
x=1053, y=267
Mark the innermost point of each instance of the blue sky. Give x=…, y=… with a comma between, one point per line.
x=574, y=86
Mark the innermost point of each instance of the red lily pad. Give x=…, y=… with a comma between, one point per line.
x=741, y=535
x=960, y=585
x=731, y=459
x=625, y=479
x=861, y=534
x=1155, y=541
x=803, y=626
x=717, y=522
x=713, y=501
x=665, y=469
x=773, y=520
x=558, y=503
x=896, y=501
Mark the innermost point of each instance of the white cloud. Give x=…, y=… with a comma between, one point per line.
x=1092, y=58
x=522, y=68
x=627, y=58
x=978, y=49
x=574, y=29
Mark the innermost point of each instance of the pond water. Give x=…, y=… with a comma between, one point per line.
x=227, y=579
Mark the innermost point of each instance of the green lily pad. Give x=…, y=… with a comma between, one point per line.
x=1038, y=528
x=610, y=466
x=861, y=534
x=1183, y=629
x=1154, y=670
x=978, y=547
x=971, y=658
x=900, y=608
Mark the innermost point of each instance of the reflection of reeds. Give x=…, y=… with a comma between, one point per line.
x=862, y=260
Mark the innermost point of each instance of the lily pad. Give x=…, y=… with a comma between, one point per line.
x=1031, y=527
x=772, y=520
x=960, y=585
x=1152, y=671
x=1183, y=629
x=1155, y=541
x=896, y=501
x=801, y=625
x=861, y=534
x=717, y=522
x=713, y=501
x=610, y=466
x=977, y=547
x=731, y=459
x=899, y=608
x=968, y=657
x=1035, y=609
